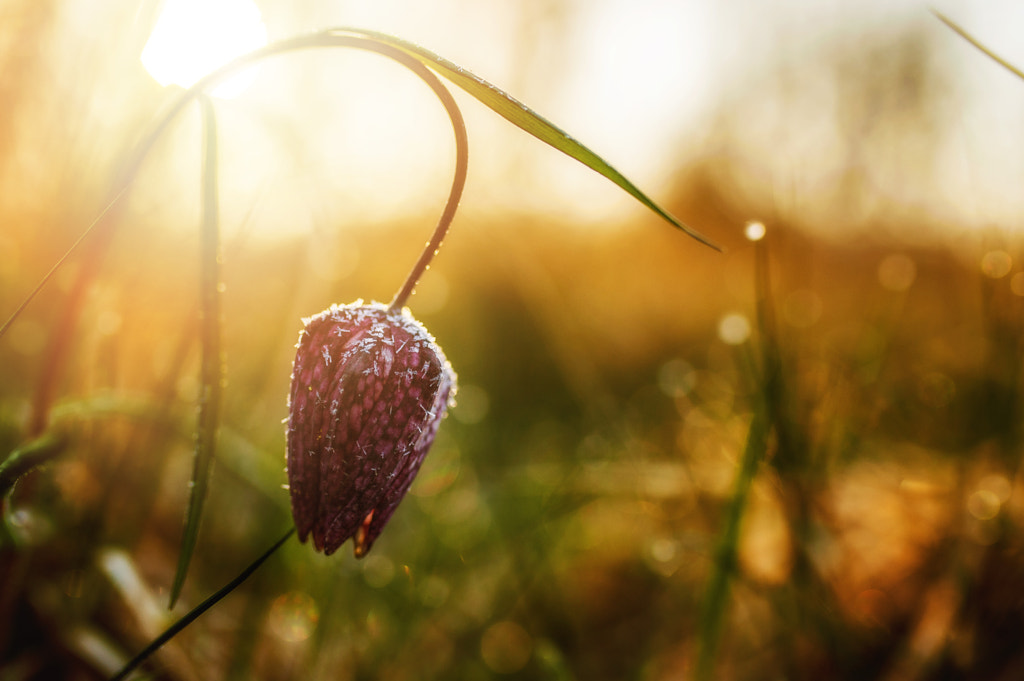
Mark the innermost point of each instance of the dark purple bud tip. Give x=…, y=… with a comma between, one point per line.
x=369, y=389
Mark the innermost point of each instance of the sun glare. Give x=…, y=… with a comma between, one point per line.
x=193, y=37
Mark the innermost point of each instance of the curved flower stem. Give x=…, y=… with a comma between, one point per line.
x=458, y=183
x=130, y=169
x=194, y=614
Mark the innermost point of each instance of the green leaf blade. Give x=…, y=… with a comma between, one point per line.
x=527, y=120
x=212, y=366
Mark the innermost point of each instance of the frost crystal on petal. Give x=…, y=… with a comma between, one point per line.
x=369, y=390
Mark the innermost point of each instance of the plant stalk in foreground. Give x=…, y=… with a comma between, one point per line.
x=197, y=611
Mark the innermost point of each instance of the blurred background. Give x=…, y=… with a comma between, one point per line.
x=572, y=516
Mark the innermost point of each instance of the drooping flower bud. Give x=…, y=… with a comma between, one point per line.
x=369, y=390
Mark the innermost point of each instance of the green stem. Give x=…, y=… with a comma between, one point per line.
x=23, y=459
x=762, y=422
x=717, y=595
x=211, y=372
x=458, y=183
x=197, y=611
x=105, y=224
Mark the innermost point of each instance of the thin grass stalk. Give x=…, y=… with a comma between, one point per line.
x=63, y=335
x=402, y=51
x=197, y=611
x=60, y=263
x=978, y=44
x=211, y=372
x=766, y=326
x=99, y=234
x=716, y=600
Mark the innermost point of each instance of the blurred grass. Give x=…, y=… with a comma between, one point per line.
x=211, y=371
x=565, y=524
x=582, y=497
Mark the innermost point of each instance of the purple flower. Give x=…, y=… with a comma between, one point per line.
x=369, y=389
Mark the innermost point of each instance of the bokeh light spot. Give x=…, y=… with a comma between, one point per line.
x=754, y=231
x=293, y=616
x=999, y=485
x=434, y=591
x=765, y=543
x=664, y=555
x=676, y=378
x=461, y=518
x=897, y=272
x=734, y=329
x=506, y=647
x=664, y=550
x=996, y=264
x=1017, y=284
x=983, y=504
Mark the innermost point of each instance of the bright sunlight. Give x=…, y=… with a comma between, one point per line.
x=194, y=37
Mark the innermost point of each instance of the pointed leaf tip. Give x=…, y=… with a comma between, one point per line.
x=525, y=119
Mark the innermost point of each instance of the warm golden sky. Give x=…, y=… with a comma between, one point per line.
x=642, y=82
x=796, y=96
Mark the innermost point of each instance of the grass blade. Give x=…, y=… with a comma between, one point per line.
x=716, y=597
x=212, y=365
x=765, y=419
x=28, y=457
x=973, y=41
x=497, y=100
x=494, y=98
x=56, y=266
x=526, y=119
x=194, y=614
